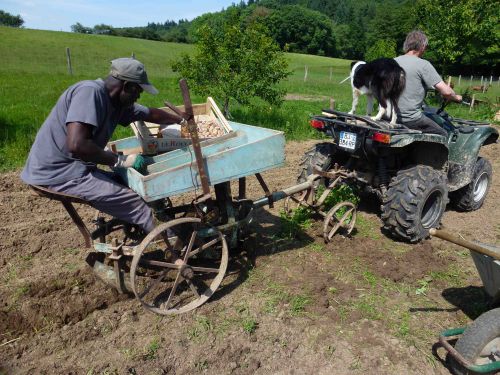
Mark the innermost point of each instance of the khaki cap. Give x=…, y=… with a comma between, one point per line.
x=132, y=70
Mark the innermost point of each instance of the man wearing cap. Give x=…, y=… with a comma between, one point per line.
x=72, y=140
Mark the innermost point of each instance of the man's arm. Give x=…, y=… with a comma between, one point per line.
x=159, y=116
x=447, y=92
x=80, y=144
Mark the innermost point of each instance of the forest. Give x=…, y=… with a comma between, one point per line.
x=464, y=36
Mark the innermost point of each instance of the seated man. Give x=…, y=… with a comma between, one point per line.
x=420, y=76
x=71, y=142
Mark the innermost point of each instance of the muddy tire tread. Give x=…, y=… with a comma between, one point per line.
x=319, y=156
x=400, y=205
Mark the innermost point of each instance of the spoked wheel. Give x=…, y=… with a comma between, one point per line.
x=340, y=217
x=170, y=278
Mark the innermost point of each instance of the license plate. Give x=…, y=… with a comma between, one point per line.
x=347, y=140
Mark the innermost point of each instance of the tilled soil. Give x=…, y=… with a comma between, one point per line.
x=359, y=305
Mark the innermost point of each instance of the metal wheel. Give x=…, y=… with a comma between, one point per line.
x=168, y=277
x=341, y=216
x=292, y=202
x=481, y=187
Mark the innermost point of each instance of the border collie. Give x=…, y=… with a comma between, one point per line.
x=383, y=79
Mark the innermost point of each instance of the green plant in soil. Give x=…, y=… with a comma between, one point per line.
x=298, y=304
x=249, y=325
x=202, y=325
x=293, y=224
x=152, y=349
x=341, y=193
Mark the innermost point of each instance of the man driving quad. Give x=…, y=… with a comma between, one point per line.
x=420, y=77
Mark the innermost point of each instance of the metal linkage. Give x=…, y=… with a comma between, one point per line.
x=340, y=217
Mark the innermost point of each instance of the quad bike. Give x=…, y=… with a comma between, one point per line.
x=414, y=174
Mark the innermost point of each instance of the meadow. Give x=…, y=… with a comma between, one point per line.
x=34, y=73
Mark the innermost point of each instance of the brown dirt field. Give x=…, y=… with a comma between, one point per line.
x=359, y=305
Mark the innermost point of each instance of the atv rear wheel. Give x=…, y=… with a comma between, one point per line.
x=414, y=203
x=320, y=157
x=471, y=197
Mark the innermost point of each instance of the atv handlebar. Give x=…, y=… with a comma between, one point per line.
x=446, y=102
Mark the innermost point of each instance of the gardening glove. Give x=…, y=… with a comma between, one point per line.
x=136, y=161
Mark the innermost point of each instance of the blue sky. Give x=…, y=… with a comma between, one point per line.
x=61, y=14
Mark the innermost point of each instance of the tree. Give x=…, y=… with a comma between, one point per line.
x=104, y=29
x=381, y=48
x=79, y=28
x=239, y=63
x=7, y=19
x=304, y=30
x=461, y=32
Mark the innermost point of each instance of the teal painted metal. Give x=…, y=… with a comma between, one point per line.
x=249, y=150
x=453, y=332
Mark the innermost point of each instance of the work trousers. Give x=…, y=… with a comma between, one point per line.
x=426, y=125
x=106, y=194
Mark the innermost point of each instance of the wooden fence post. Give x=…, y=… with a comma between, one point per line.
x=68, y=59
x=331, y=71
x=332, y=104
x=482, y=80
x=459, y=79
x=491, y=79
x=449, y=80
x=305, y=73
x=133, y=55
x=472, y=102
x=470, y=84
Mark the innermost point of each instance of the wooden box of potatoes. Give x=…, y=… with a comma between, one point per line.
x=156, y=139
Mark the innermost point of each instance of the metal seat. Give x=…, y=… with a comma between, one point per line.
x=67, y=201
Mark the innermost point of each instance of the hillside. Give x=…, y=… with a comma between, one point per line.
x=34, y=73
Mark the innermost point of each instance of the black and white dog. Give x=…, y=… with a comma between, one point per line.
x=383, y=79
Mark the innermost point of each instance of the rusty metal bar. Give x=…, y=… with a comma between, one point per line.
x=278, y=195
x=66, y=200
x=78, y=221
x=461, y=242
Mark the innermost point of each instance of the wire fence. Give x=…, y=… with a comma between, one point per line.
x=332, y=73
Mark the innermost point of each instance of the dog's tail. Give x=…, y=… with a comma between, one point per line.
x=350, y=74
x=345, y=79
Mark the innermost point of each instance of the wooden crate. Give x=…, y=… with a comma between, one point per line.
x=155, y=140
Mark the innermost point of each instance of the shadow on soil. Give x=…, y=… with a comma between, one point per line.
x=472, y=300
x=267, y=242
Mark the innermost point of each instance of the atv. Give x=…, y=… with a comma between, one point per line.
x=413, y=174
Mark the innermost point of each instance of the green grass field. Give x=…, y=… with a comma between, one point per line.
x=34, y=73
